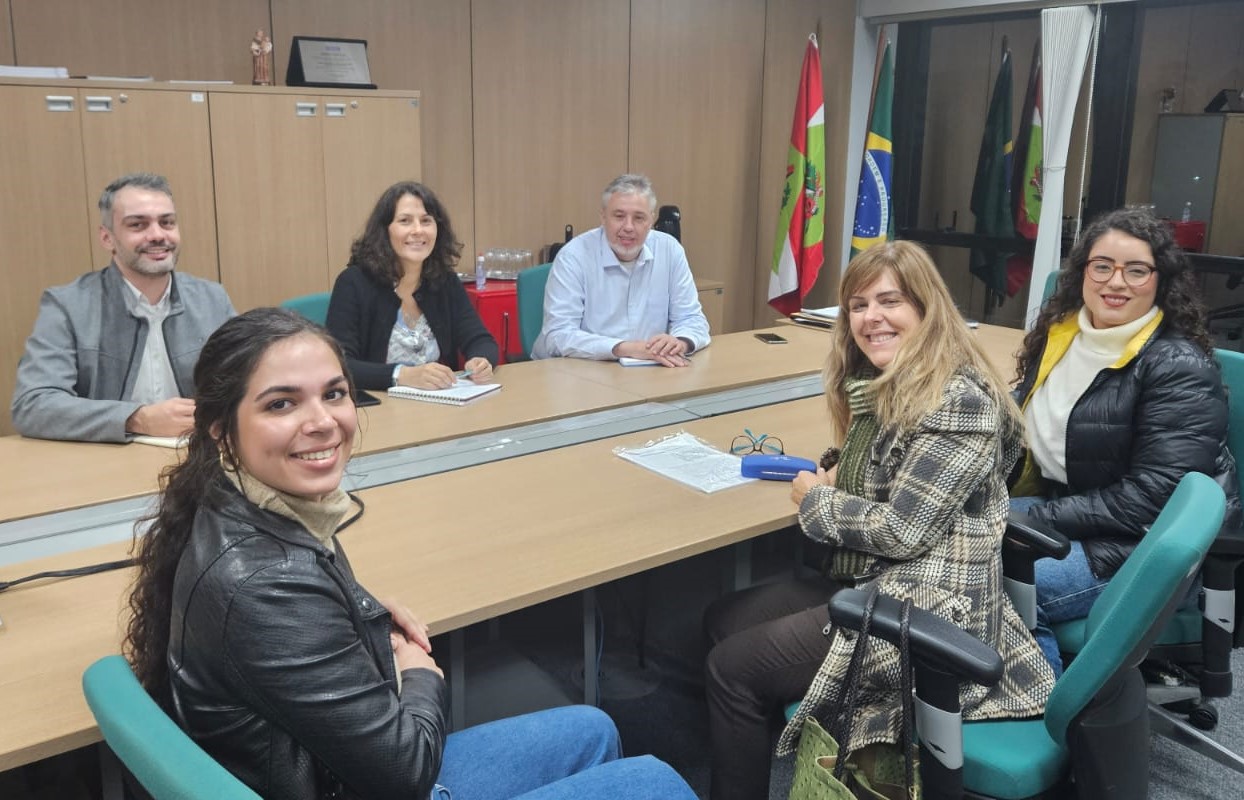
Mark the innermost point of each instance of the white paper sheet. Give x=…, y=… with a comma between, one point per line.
x=688, y=460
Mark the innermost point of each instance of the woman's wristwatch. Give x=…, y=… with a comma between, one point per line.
x=397, y=373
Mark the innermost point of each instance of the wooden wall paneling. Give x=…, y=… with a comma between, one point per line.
x=374, y=144
x=1164, y=54
x=787, y=25
x=167, y=39
x=1226, y=233
x=272, y=247
x=167, y=132
x=414, y=44
x=6, y=33
x=550, y=83
x=43, y=223
x=1216, y=37
x=695, y=130
x=961, y=76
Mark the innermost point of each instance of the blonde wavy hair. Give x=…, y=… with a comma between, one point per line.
x=912, y=385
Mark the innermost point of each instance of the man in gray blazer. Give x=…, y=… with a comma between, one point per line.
x=112, y=354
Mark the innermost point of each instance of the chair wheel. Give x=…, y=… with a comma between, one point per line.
x=1203, y=717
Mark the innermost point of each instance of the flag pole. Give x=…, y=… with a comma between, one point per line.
x=882, y=41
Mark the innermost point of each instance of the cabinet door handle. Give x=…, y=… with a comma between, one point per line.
x=98, y=103
x=334, y=109
x=59, y=102
x=305, y=109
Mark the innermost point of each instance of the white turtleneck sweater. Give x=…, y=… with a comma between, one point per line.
x=1091, y=351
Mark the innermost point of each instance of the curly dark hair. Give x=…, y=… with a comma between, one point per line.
x=226, y=363
x=1177, y=293
x=373, y=253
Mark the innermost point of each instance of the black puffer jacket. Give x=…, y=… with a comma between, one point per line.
x=281, y=668
x=1134, y=433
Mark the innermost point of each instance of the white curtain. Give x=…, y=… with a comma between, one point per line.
x=1066, y=34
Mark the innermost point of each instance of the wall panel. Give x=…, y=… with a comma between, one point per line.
x=415, y=44
x=167, y=39
x=6, y=33
x=787, y=25
x=550, y=115
x=695, y=129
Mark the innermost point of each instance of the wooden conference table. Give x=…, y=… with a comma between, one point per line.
x=41, y=477
x=611, y=519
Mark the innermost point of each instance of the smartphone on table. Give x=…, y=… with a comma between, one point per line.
x=770, y=338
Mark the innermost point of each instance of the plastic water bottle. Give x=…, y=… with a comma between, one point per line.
x=481, y=275
x=1187, y=215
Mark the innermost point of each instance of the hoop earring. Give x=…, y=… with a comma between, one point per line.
x=224, y=466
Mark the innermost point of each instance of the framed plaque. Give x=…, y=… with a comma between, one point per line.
x=328, y=63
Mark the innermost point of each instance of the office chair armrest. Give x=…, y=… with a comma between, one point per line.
x=1025, y=533
x=1228, y=544
x=1024, y=542
x=933, y=640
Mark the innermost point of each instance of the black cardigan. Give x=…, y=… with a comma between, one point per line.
x=362, y=312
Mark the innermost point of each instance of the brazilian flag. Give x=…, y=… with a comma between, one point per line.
x=874, y=207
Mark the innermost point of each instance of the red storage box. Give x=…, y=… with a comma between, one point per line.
x=497, y=306
x=1190, y=236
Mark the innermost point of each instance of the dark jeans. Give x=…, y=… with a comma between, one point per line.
x=767, y=643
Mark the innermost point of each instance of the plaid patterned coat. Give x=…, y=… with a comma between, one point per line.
x=932, y=516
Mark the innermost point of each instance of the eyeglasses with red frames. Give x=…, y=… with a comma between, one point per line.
x=1135, y=273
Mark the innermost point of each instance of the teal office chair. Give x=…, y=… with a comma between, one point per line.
x=530, y=288
x=1096, y=723
x=312, y=306
x=159, y=754
x=1051, y=283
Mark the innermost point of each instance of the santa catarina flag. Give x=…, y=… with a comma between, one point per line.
x=799, y=250
x=874, y=218
x=1026, y=176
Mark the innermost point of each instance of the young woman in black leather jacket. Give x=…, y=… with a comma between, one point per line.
x=250, y=627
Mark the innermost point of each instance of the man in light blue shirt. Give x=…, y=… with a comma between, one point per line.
x=623, y=289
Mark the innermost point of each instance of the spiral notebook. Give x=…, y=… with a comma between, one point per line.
x=460, y=393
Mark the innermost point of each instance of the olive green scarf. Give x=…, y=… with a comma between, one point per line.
x=846, y=564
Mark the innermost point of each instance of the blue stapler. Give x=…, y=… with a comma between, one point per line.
x=771, y=467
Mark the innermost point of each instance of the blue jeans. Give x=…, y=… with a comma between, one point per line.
x=569, y=753
x=1066, y=590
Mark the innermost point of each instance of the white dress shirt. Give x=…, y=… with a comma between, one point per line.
x=591, y=302
x=155, y=382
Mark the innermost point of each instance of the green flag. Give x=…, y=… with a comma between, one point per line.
x=991, y=190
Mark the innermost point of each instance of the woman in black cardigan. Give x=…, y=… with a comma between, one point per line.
x=399, y=310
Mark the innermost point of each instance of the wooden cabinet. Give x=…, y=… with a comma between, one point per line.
x=43, y=222
x=62, y=144
x=165, y=131
x=296, y=176
x=713, y=301
x=271, y=184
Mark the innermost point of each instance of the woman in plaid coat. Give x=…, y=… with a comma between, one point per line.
x=917, y=503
